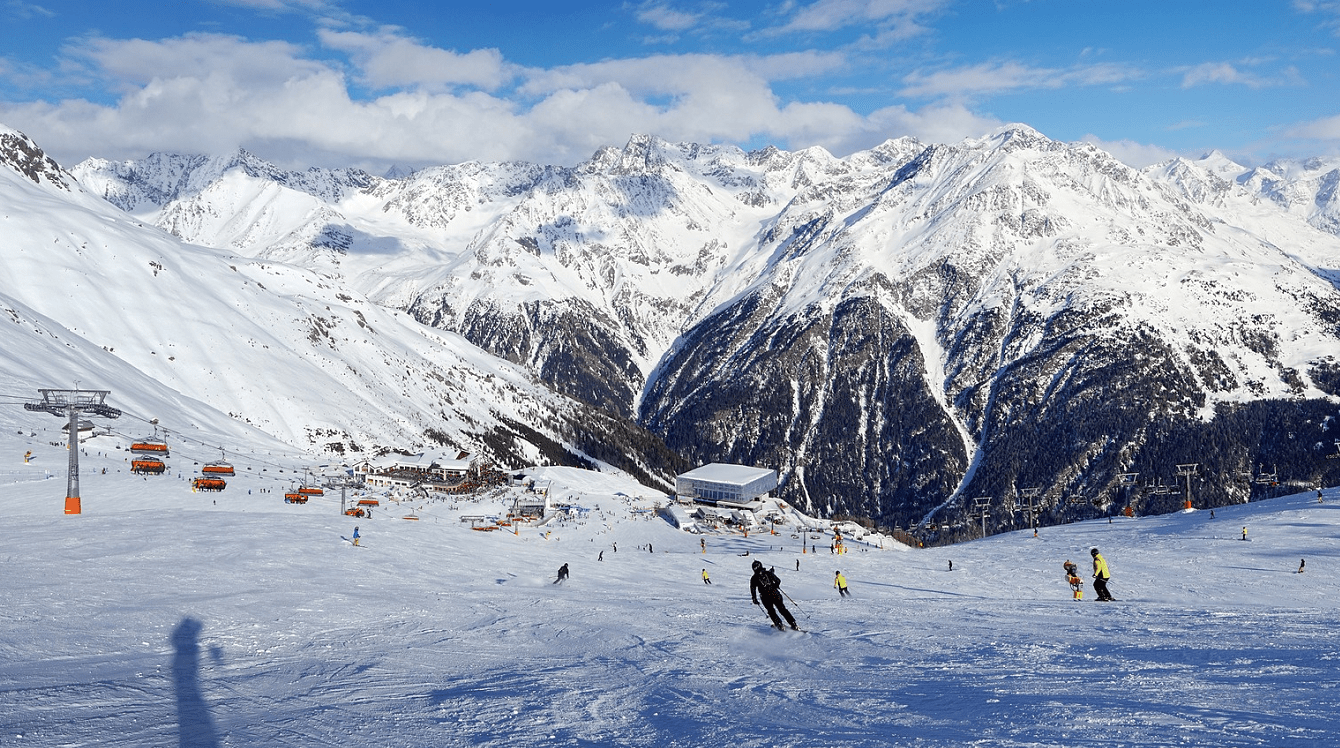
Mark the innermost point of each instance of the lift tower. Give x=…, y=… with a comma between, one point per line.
x=1186, y=471
x=71, y=403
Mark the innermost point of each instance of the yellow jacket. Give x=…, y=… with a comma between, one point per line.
x=1100, y=567
x=840, y=582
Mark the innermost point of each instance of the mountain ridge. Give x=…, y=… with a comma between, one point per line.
x=988, y=286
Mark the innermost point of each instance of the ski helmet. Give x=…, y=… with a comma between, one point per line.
x=1093, y=551
x=758, y=564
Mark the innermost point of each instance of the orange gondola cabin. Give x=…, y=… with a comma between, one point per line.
x=209, y=484
x=294, y=497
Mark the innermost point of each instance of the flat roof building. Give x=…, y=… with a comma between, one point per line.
x=720, y=482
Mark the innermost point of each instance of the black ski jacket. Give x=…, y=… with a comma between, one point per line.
x=766, y=582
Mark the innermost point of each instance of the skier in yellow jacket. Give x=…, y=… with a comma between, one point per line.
x=1100, y=575
x=841, y=583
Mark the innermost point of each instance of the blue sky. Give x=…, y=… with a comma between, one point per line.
x=347, y=82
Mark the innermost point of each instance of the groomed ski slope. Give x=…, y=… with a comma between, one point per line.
x=165, y=617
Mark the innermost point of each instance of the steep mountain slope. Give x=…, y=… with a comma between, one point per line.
x=265, y=344
x=1309, y=189
x=899, y=331
x=1066, y=310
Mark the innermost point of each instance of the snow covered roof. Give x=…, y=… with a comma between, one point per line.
x=720, y=472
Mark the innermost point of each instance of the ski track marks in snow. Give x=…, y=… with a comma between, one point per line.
x=158, y=616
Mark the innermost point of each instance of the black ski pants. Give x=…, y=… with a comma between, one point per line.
x=1100, y=588
x=772, y=602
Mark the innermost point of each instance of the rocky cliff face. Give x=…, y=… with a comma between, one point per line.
x=899, y=331
x=21, y=154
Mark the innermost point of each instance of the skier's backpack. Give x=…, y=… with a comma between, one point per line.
x=768, y=581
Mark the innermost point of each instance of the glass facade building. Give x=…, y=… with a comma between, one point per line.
x=717, y=482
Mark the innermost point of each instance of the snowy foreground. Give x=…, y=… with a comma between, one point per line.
x=161, y=616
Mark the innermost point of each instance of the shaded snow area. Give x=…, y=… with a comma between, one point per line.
x=161, y=616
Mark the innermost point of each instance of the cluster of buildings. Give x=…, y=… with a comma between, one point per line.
x=716, y=487
x=433, y=472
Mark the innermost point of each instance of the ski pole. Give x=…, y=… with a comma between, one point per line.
x=764, y=612
x=793, y=602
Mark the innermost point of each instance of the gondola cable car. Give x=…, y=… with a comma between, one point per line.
x=151, y=445
x=147, y=466
x=219, y=468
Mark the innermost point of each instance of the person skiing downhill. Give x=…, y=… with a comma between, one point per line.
x=562, y=573
x=706, y=579
x=355, y=535
x=1100, y=576
x=765, y=583
x=841, y=583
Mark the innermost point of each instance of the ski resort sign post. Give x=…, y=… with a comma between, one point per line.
x=71, y=403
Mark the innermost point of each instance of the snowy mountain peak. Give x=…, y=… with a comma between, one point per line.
x=1221, y=165
x=1308, y=189
x=1014, y=136
x=20, y=153
x=152, y=183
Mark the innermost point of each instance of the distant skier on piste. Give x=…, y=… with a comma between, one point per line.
x=562, y=573
x=765, y=583
x=841, y=583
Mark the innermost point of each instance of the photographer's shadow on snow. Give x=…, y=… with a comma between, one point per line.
x=195, y=728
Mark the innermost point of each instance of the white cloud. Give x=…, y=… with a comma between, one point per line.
x=705, y=17
x=997, y=77
x=1133, y=154
x=684, y=75
x=387, y=60
x=896, y=19
x=206, y=93
x=1326, y=128
x=278, y=5
x=132, y=63
x=665, y=18
x=19, y=9
x=1228, y=73
x=841, y=131
x=1330, y=8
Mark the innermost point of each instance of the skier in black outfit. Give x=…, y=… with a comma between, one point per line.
x=562, y=573
x=765, y=583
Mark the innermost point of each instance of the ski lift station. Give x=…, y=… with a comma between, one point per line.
x=721, y=484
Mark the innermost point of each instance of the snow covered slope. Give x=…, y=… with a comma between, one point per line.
x=196, y=336
x=162, y=616
x=1307, y=189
